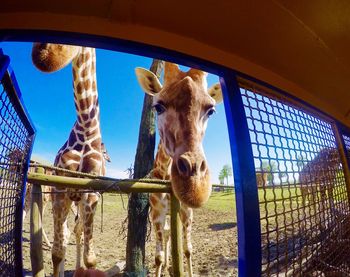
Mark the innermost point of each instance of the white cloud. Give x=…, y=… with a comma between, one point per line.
x=116, y=173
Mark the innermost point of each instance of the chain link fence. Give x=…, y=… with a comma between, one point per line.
x=303, y=200
x=16, y=139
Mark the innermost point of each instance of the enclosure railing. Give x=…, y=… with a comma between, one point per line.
x=98, y=184
x=16, y=139
x=301, y=157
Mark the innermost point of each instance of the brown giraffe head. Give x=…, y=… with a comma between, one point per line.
x=183, y=105
x=49, y=57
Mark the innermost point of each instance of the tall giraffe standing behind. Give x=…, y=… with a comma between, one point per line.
x=81, y=152
x=183, y=105
x=318, y=179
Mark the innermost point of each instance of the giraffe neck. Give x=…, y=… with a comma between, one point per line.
x=162, y=164
x=82, y=150
x=85, y=94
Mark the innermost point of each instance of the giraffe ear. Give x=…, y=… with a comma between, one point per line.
x=216, y=93
x=148, y=81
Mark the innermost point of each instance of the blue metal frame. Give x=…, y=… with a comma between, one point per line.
x=247, y=202
x=109, y=43
x=18, y=104
x=4, y=63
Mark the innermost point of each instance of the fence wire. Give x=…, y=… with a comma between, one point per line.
x=346, y=138
x=15, y=144
x=303, y=200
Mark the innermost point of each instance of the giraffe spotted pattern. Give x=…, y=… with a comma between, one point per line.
x=81, y=152
x=183, y=105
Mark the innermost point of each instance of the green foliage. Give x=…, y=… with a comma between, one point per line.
x=221, y=178
x=269, y=167
x=225, y=172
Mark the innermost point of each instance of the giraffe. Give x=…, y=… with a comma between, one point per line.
x=261, y=179
x=82, y=150
x=78, y=229
x=47, y=191
x=183, y=105
x=318, y=176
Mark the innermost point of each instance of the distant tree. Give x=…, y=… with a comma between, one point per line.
x=269, y=168
x=221, y=178
x=301, y=161
x=130, y=172
x=225, y=172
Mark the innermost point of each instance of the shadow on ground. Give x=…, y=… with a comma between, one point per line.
x=223, y=226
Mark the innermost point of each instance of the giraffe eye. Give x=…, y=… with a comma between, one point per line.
x=159, y=108
x=211, y=111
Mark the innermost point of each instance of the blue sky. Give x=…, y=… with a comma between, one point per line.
x=49, y=101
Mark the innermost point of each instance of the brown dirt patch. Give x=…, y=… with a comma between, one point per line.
x=214, y=239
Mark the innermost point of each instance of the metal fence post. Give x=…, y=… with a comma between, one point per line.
x=36, y=238
x=176, y=237
x=343, y=157
x=247, y=203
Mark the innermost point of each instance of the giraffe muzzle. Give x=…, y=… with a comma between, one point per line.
x=191, y=165
x=190, y=179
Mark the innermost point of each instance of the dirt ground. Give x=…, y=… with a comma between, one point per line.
x=214, y=239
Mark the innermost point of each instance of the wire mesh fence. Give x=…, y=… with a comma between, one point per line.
x=346, y=138
x=16, y=138
x=303, y=200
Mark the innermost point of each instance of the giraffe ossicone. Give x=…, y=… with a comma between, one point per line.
x=183, y=104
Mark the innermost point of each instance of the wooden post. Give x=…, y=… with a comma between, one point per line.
x=176, y=238
x=36, y=250
x=138, y=202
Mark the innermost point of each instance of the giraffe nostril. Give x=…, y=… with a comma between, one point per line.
x=203, y=166
x=184, y=166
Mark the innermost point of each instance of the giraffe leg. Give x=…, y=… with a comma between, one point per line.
x=78, y=231
x=331, y=196
x=60, y=208
x=44, y=233
x=24, y=215
x=88, y=211
x=46, y=239
x=159, y=203
x=74, y=209
x=27, y=201
x=316, y=199
x=186, y=215
x=159, y=259
x=167, y=242
x=303, y=215
x=323, y=208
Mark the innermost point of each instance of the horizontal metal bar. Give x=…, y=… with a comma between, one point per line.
x=223, y=186
x=125, y=186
